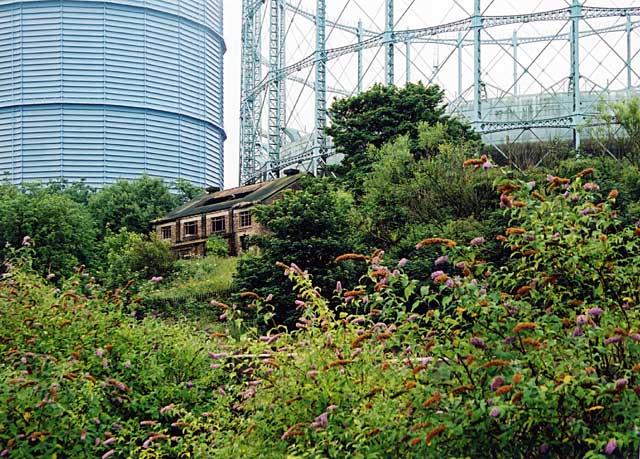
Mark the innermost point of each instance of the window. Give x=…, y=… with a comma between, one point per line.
x=165, y=232
x=218, y=224
x=191, y=229
x=245, y=219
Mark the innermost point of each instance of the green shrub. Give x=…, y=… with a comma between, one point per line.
x=217, y=246
x=133, y=256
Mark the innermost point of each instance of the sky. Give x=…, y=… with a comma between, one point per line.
x=549, y=61
x=232, y=37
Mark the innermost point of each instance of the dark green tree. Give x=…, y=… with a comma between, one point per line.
x=131, y=204
x=401, y=191
x=60, y=229
x=310, y=227
x=133, y=256
x=185, y=190
x=383, y=113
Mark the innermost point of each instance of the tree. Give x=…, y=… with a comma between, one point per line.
x=60, y=229
x=129, y=255
x=185, y=190
x=310, y=227
x=131, y=204
x=380, y=115
x=401, y=191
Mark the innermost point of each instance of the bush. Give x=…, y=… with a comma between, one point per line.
x=133, y=256
x=217, y=246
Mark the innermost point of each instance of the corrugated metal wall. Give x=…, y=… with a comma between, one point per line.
x=103, y=90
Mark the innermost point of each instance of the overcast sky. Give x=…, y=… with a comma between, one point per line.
x=232, y=37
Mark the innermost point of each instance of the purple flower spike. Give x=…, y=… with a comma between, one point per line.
x=621, y=383
x=441, y=260
x=510, y=340
x=496, y=383
x=477, y=241
x=402, y=263
x=156, y=279
x=577, y=332
x=612, y=340
x=494, y=413
x=635, y=337
x=544, y=448
x=26, y=241
x=436, y=274
x=487, y=165
x=582, y=319
x=612, y=445
x=595, y=312
x=478, y=342
x=321, y=421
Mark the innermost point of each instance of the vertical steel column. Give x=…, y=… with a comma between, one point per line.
x=514, y=46
x=247, y=108
x=408, y=55
x=283, y=64
x=276, y=49
x=576, y=17
x=460, y=49
x=629, y=55
x=360, y=35
x=388, y=40
x=477, y=62
x=321, y=82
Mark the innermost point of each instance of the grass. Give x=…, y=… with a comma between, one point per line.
x=187, y=295
x=199, y=277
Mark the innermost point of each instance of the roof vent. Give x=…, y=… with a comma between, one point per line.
x=213, y=189
x=290, y=172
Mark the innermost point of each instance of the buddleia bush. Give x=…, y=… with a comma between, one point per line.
x=535, y=357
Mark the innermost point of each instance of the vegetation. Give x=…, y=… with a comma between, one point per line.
x=105, y=230
x=311, y=228
x=207, y=277
x=381, y=114
x=427, y=305
x=537, y=358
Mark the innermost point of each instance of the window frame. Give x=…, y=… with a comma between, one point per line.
x=191, y=224
x=163, y=233
x=245, y=219
x=218, y=219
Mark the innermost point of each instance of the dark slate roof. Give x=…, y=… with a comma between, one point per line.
x=243, y=196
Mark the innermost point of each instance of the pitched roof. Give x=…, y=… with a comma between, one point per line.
x=242, y=196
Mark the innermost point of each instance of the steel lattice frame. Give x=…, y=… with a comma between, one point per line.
x=260, y=146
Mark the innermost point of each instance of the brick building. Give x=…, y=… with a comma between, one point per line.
x=226, y=213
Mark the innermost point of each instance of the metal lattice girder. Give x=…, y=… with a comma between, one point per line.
x=259, y=161
x=250, y=138
x=321, y=80
x=576, y=17
x=489, y=127
x=276, y=97
x=457, y=26
x=477, y=25
x=389, y=44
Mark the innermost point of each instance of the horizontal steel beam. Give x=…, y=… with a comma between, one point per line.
x=462, y=25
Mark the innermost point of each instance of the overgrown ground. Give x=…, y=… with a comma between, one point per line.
x=537, y=357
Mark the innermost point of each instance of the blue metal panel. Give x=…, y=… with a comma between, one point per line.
x=107, y=89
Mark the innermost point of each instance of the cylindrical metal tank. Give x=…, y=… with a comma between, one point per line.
x=101, y=90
